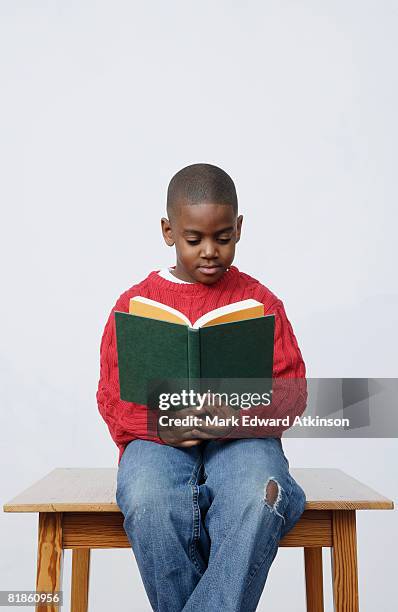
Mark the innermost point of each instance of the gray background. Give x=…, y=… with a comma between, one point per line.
x=101, y=103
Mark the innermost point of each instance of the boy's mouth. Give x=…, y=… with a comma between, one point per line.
x=209, y=270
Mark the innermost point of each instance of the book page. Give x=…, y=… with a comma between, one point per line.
x=238, y=311
x=145, y=307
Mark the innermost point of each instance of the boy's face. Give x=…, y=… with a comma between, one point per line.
x=204, y=236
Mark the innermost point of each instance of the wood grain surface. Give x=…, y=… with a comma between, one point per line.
x=49, y=557
x=344, y=562
x=313, y=579
x=80, y=580
x=94, y=490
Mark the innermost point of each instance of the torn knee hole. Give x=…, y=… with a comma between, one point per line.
x=272, y=496
x=271, y=492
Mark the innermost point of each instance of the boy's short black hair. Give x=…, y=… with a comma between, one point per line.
x=201, y=183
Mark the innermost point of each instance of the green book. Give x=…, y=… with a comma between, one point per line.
x=158, y=343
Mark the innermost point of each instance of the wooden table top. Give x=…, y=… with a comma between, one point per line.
x=94, y=490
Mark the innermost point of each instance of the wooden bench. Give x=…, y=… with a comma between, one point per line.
x=77, y=510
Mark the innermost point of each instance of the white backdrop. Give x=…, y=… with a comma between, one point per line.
x=101, y=103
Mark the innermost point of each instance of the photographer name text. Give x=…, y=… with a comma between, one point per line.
x=250, y=421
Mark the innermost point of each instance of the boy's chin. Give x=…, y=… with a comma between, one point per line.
x=209, y=279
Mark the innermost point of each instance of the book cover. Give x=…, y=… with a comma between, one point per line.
x=151, y=349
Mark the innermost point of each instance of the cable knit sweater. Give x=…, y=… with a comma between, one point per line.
x=128, y=421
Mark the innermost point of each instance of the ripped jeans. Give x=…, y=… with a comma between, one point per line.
x=204, y=522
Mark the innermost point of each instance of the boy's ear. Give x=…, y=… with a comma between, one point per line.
x=166, y=231
x=238, y=227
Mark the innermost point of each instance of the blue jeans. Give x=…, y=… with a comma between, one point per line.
x=204, y=522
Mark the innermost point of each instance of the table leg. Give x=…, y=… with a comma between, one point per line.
x=314, y=579
x=344, y=561
x=49, y=557
x=80, y=579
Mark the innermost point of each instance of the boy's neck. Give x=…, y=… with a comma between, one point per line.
x=173, y=272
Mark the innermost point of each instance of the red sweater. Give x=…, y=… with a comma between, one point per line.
x=128, y=421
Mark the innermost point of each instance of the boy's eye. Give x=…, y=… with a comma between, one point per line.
x=219, y=240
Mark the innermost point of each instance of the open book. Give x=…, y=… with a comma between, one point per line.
x=156, y=342
x=238, y=311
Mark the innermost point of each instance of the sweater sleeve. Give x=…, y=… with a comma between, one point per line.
x=289, y=386
x=126, y=421
x=288, y=361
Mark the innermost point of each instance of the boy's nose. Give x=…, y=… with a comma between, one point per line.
x=209, y=250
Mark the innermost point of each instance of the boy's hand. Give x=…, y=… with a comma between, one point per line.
x=192, y=435
x=178, y=435
x=174, y=441
x=221, y=411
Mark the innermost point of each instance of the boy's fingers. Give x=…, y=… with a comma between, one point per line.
x=204, y=434
x=188, y=443
x=179, y=433
x=172, y=441
x=178, y=436
x=187, y=435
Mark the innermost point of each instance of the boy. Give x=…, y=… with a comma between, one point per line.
x=203, y=516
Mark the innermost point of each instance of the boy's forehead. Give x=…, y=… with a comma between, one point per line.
x=205, y=217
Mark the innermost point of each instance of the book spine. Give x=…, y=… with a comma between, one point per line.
x=193, y=358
